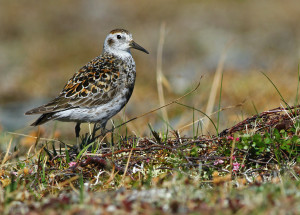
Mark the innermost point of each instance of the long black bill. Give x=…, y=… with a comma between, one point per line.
x=138, y=47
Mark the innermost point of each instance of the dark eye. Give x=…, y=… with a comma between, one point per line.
x=119, y=36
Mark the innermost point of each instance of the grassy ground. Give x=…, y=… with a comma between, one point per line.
x=251, y=168
x=172, y=161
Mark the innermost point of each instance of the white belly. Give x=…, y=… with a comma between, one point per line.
x=101, y=113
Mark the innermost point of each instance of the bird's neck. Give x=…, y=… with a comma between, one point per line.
x=118, y=53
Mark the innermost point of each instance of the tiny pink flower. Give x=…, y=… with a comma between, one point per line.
x=233, y=157
x=237, y=139
x=218, y=162
x=71, y=164
x=148, y=160
x=236, y=166
x=230, y=138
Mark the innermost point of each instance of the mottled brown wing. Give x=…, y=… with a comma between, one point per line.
x=94, y=84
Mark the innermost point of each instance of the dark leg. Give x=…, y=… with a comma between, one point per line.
x=77, y=132
x=95, y=129
x=103, y=131
x=77, y=129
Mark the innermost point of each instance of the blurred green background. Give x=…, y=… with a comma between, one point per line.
x=43, y=43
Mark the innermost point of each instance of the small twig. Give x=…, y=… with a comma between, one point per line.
x=25, y=135
x=257, y=161
x=6, y=154
x=128, y=150
x=68, y=181
x=126, y=167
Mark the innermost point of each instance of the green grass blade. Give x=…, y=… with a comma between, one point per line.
x=84, y=150
x=276, y=89
x=200, y=112
x=67, y=154
x=81, y=197
x=256, y=112
x=297, y=92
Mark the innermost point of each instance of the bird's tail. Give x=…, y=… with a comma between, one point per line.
x=43, y=119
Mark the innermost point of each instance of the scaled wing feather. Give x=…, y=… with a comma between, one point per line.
x=94, y=84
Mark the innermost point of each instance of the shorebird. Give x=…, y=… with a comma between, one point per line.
x=99, y=90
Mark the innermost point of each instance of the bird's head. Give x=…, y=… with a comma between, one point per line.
x=119, y=42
